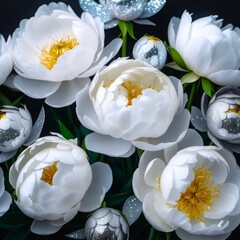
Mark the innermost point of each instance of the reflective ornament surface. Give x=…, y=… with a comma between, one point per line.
x=152, y=50
x=106, y=223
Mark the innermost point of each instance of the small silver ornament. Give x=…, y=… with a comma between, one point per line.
x=152, y=50
x=106, y=223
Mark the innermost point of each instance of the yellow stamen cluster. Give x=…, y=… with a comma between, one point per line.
x=52, y=51
x=49, y=172
x=199, y=195
x=133, y=91
x=2, y=115
x=236, y=110
x=152, y=38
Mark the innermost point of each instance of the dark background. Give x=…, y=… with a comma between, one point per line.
x=13, y=11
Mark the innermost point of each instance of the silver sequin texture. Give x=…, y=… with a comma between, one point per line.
x=106, y=223
x=152, y=50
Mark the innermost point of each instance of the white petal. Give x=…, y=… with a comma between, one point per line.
x=5, y=202
x=188, y=236
x=152, y=216
x=174, y=134
x=107, y=145
x=66, y=94
x=85, y=111
x=229, y=196
x=44, y=227
x=35, y=88
x=101, y=182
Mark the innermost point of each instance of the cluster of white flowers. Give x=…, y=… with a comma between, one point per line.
x=127, y=104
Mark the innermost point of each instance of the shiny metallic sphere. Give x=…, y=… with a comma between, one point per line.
x=106, y=224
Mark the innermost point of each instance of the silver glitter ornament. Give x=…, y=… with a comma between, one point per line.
x=106, y=223
x=16, y=130
x=152, y=50
x=222, y=114
x=110, y=11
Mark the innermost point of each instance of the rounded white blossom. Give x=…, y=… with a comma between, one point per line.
x=222, y=115
x=189, y=188
x=132, y=103
x=6, y=63
x=53, y=180
x=207, y=49
x=55, y=51
x=15, y=127
x=5, y=197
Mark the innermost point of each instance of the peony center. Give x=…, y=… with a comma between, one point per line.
x=154, y=39
x=49, y=172
x=199, y=195
x=236, y=110
x=53, y=50
x=133, y=91
x=2, y=115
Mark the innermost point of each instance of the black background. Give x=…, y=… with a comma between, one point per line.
x=13, y=11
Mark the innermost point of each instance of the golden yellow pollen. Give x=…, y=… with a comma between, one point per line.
x=2, y=115
x=133, y=91
x=49, y=172
x=152, y=38
x=52, y=51
x=158, y=183
x=199, y=195
x=236, y=109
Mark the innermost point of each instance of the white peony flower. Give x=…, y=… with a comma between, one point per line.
x=5, y=197
x=16, y=129
x=54, y=180
x=207, y=49
x=6, y=63
x=190, y=188
x=130, y=103
x=55, y=52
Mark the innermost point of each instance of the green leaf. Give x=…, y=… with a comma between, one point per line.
x=4, y=100
x=177, y=58
x=207, y=87
x=123, y=27
x=17, y=102
x=126, y=27
x=189, y=78
x=65, y=132
x=19, y=233
x=174, y=66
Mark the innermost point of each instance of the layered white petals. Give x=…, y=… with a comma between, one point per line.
x=202, y=44
x=162, y=184
x=54, y=48
x=5, y=197
x=132, y=102
x=51, y=178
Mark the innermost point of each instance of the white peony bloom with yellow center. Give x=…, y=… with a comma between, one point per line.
x=207, y=49
x=6, y=63
x=55, y=51
x=53, y=180
x=130, y=103
x=189, y=188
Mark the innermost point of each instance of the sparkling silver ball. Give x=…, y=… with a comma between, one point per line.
x=152, y=50
x=15, y=127
x=106, y=223
x=223, y=115
x=125, y=10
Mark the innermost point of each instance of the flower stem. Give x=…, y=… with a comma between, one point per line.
x=191, y=95
x=124, y=45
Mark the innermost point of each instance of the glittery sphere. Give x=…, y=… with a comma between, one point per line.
x=152, y=50
x=15, y=127
x=125, y=10
x=106, y=223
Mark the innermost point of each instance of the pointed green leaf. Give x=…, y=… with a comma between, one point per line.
x=123, y=27
x=189, y=78
x=177, y=58
x=64, y=131
x=4, y=100
x=130, y=29
x=207, y=87
x=174, y=66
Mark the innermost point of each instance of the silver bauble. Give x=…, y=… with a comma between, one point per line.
x=152, y=50
x=15, y=127
x=106, y=223
x=125, y=10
